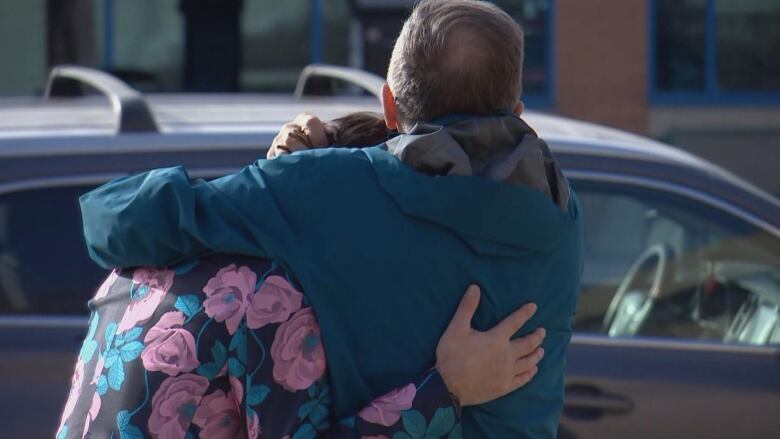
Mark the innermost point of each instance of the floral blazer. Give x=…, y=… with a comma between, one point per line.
x=225, y=347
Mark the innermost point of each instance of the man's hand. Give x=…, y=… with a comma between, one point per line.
x=304, y=132
x=478, y=367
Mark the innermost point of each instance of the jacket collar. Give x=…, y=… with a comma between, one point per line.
x=439, y=181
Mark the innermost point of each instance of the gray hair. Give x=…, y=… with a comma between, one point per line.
x=455, y=56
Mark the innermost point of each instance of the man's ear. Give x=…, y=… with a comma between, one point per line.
x=519, y=108
x=389, y=108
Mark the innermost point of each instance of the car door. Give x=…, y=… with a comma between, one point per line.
x=46, y=278
x=705, y=361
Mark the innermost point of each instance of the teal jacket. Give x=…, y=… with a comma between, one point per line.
x=383, y=253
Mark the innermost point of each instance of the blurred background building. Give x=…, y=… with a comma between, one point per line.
x=700, y=74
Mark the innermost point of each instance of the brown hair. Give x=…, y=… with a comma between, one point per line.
x=455, y=56
x=356, y=130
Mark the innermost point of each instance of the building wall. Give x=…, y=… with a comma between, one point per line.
x=601, y=62
x=601, y=73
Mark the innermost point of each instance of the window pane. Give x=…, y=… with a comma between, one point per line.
x=680, y=30
x=723, y=278
x=533, y=16
x=748, y=40
x=275, y=39
x=44, y=265
x=147, y=42
x=22, y=47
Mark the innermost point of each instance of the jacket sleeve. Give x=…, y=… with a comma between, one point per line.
x=422, y=408
x=161, y=217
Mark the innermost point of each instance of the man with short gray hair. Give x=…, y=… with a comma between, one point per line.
x=455, y=56
x=381, y=237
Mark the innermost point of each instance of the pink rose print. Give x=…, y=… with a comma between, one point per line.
x=254, y=425
x=299, y=358
x=274, y=302
x=386, y=410
x=94, y=409
x=103, y=290
x=75, y=391
x=150, y=286
x=174, y=405
x=228, y=295
x=169, y=347
x=219, y=417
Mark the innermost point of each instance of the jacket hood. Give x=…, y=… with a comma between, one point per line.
x=489, y=179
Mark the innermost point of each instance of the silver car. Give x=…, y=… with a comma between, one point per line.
x=678, y=325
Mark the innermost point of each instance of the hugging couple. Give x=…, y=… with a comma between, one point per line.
x=320, y=292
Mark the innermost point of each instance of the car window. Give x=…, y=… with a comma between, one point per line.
x=721, y=279
x=44, y=265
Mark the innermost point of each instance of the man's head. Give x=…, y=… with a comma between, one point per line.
x=453, y=56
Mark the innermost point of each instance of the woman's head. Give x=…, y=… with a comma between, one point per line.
x=356, y=130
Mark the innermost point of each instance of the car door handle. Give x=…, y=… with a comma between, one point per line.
x=590, y=402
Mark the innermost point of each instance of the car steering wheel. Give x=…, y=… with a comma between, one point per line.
x=630, y=307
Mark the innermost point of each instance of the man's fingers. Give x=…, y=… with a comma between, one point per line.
x=510, y=325
x=461, y=321
x=524, y=378
x=529, y=362
x=524, y=346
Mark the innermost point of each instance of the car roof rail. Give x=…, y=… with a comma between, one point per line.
x=367, y=81
x=128, y=105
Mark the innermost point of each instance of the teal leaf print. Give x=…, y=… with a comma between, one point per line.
x=306, y=408
x=235, y=368
x=319, y=417
x=88, y=350
x=93, y=324
x=102, y=385
x=127, y=431
x=128, y=336
x=131, y=351
x=111, y=358
x=116, y=376
x=442, y=422
x=208, y=370
x=257, y=394
x=110, y=333
x=349, y=422
x=218, y=352
x=189, y=436
x=455, y=433
x=238, y=344
x=123, y=419
x=90, y=345
x=63, y=433
x=401, y=435
x=414, y=423
x=189, y=305
x=306, y=431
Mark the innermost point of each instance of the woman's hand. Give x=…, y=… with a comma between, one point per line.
x=304, y=132
x=478, y=367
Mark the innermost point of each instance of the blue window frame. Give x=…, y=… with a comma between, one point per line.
x=714, y=52
x=537, y=17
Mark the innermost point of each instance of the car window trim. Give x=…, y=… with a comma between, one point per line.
x=682, y=344
x=95, y=179
x=677, y=190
